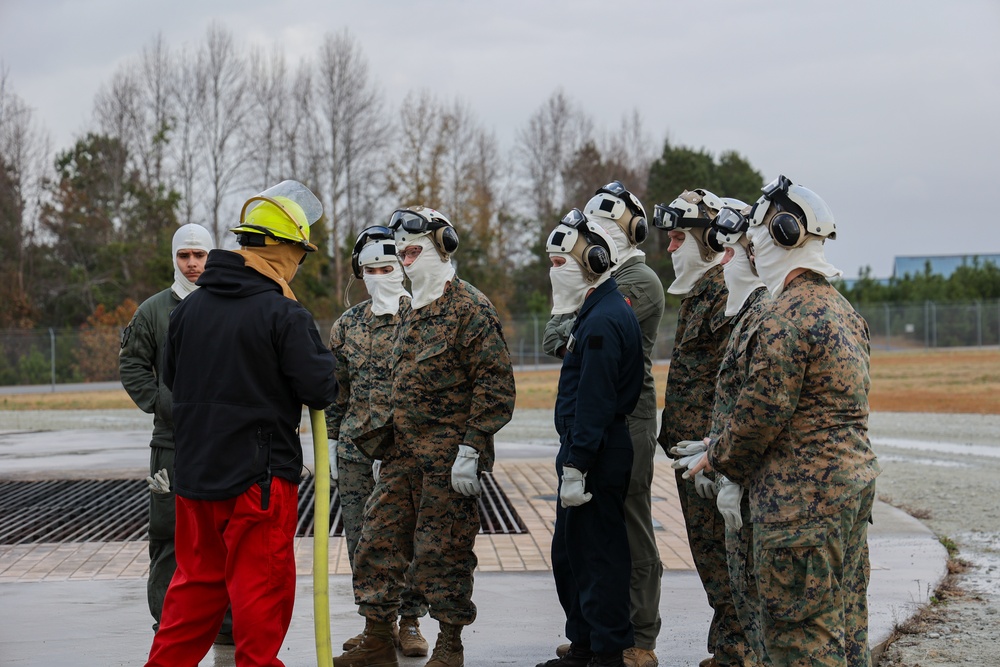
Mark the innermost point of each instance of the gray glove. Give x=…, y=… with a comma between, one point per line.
x=572, y=493
x=465, y=471
x=159, y=482
x=334, y=473
x=376, y=469
x=728, y=502
x=703, y=486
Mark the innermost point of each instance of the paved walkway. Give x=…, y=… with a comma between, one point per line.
x=84, y=604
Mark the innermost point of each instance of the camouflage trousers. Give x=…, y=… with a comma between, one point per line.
x=355, y=487
x=746, y=600
x=647, y=569
x=706, y=531
x=812, y=576
x=416, y=516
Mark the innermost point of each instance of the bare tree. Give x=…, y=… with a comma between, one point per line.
x=136, y=108
x=630, y=150
x=415, y=172
x=543, y=149
x=24, y=150
x=266, y=126
x=187, y=91
x=222, y=80
x=353, y=130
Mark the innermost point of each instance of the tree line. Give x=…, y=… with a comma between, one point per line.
x=185, y=134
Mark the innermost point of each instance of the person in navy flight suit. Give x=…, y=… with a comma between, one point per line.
x=599, y=384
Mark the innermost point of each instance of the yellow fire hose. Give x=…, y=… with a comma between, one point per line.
x=321, y=540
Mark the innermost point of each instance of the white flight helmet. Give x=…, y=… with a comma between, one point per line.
x=586, y=242
x=792, y=212
x=615, y=202
x=411, y=223
x=692, y=211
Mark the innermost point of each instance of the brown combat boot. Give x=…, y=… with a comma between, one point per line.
x=377, y=648
x=356, y=639
x=639, y=657
x=410, y=641
x=448, y=651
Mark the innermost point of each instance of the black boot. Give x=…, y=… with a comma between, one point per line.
x=607, y=660
x=576, y=656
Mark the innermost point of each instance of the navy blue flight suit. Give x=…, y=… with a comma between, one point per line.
x=599, y=384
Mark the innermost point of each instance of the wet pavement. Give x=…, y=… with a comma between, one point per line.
x=84, y=604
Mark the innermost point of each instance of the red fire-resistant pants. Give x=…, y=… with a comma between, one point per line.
x=230, y=551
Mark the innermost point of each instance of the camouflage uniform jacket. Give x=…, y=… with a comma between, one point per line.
x=735, y=361
x=139, y=363
x=699, y=342
x=362, y=343
x=644, y=292
x=798, y=433
x=452, y=380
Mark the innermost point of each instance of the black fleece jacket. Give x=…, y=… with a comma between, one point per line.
x=241, y=359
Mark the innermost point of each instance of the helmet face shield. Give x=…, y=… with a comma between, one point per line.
x=284, y=212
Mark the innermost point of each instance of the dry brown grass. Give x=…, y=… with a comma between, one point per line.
x=952, y=381
x=958, y=381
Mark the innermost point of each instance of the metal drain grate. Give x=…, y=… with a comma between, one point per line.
x=116, y=510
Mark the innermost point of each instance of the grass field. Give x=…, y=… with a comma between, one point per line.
x=956, y=381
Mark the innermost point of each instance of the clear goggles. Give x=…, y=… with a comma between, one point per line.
x=374, y=233
x=412, y=222
x=575, y=219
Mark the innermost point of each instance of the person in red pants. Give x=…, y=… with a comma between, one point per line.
x=242, y=357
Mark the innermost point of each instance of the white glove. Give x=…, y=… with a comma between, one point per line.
x=703, y=486
x=464, y=472
x=159, y=482
x=376, y=469
x=572, y=492
x=691, y=452
x=334, y=473
x=728, y=502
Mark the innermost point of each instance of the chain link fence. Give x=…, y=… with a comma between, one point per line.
x=61, y=356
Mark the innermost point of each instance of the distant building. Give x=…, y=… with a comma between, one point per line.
x=941, y=265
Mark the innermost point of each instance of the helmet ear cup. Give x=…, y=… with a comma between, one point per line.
x=598, y=259
x=356, y=265
x=787, y=230
x=446, y=239
x=713, y=241
x=638, y=230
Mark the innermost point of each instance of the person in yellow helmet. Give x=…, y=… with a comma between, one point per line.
x=242, y=356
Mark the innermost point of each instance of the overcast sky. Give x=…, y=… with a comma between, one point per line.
x=889, y=110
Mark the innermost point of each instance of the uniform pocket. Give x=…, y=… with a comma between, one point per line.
x=795, y=576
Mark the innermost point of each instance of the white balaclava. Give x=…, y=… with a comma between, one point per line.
x=189, y=236
x=569, y=284
x=689, y=267
x=626, y=250
x=741, y=281
x=428, y=273
x=386, y=289
x=774, y=263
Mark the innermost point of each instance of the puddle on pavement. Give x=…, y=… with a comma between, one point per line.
x=983, y=551
x=939, y=447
